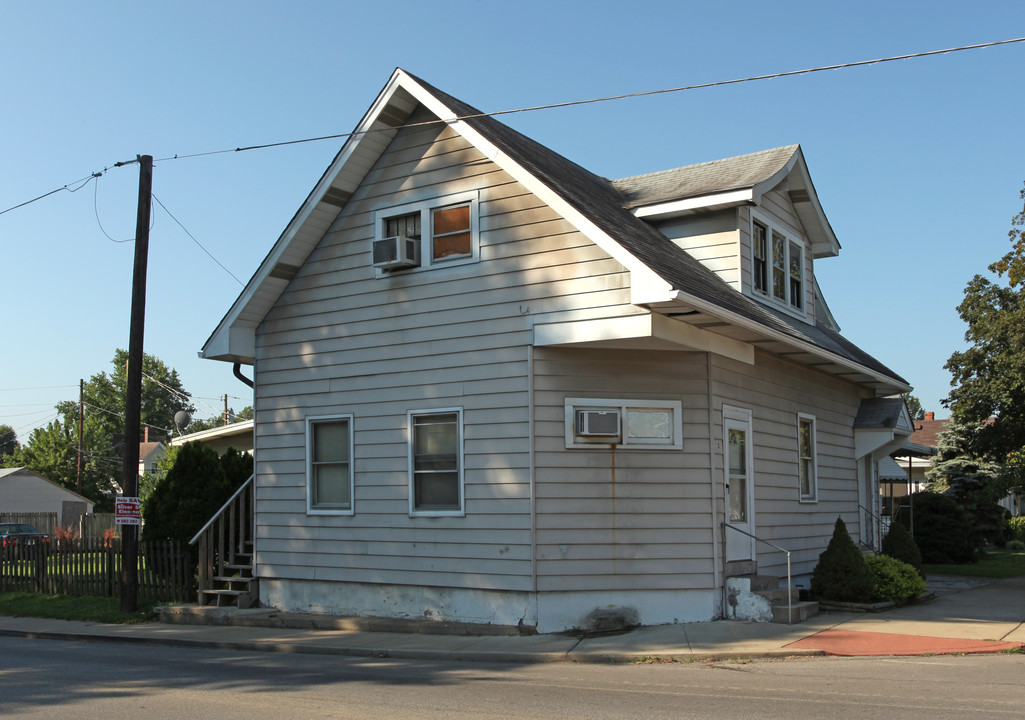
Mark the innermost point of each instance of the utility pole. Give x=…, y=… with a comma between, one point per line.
x=225, y=408
x=81, y=413
x=133, y=387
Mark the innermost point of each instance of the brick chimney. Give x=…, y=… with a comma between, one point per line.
x=145, y=432
x=929, y=416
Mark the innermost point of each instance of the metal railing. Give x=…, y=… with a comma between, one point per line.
x=790, y=589
x=877, y=536
x=227, y=537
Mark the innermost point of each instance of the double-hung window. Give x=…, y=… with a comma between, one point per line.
x=446, y=228
x=777, y=264
x=760, y=253
x=806, y=466
x=436, y=462
x=329, y=485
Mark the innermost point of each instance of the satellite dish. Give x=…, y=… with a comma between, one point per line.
x=182, y=420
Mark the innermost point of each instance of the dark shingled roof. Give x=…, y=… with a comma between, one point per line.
x=718, y=176
x=879, y=413
x=599, y=200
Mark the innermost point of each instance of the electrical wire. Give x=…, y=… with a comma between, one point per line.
x=161, y=204
x=550, y=106
x=624, y=96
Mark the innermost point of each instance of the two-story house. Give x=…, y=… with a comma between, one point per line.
x=492, y=386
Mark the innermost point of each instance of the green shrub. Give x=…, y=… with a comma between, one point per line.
x=191, y=492
x=842, y=573
x=1017, y=525
x=941, y=528
x=899, y=545
x=1016, y=545
x=895, y=581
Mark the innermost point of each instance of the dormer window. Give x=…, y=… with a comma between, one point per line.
x=444, y=229
x=777, y=264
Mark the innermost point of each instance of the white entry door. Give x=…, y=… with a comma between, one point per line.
x=739, y=481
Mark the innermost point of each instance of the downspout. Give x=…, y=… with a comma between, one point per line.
x=533, y=491
x=716, y=577
x=236, y=370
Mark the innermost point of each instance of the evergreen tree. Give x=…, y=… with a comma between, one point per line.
x=842, y=573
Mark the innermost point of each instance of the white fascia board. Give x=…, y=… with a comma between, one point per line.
x=740, y=321
x=705, y=202
x=653, y=288
x=220, y=347
x=647, y=325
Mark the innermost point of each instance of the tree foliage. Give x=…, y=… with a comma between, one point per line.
x=988, y=378
x=53, y=451
x=940, y=527
x=914, y=406
x=8, y=440
x=193, y=489
x=217, y=421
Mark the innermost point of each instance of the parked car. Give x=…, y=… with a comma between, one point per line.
x=13, y=535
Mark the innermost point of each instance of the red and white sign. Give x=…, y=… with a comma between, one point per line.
x=127, y=511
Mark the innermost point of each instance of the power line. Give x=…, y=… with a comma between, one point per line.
x=197, y=241
x=550, y=106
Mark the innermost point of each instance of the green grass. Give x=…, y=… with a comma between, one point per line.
x=71, y=607
x=997, y=563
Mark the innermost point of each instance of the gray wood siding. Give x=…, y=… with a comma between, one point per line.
x=775, y=391
x=342, y=341
x=621, y=519
x=713, y=240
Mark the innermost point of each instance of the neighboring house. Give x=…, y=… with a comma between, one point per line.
x=926, y=435
x=151, y=452
x=491, y=386
x=23, y=491
x=237, y=435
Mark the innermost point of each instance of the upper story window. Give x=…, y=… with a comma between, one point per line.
x=431, y=233
x=777, y=264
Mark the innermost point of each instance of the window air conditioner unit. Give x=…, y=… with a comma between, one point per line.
x=396, y=252
x=603, y=423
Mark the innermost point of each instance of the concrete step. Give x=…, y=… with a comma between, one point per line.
x=798, y=612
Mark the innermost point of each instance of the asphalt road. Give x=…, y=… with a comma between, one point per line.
x=47, y=678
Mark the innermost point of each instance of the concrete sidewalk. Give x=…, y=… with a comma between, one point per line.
x=965, y=615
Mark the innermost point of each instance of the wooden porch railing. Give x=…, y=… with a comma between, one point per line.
x=226, y=546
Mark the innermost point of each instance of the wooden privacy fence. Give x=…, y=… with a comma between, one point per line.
x=93, y=567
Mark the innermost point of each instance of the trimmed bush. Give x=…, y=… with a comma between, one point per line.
x=895, y=581
x=1016, y=545
x=899, y=545
x=941, y=528
x=842, y=573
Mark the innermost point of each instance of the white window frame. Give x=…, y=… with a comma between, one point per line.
x=791, y=239
x=460, y=456
x=425, y=208
x=311, y=508
x=812, y=495
x=623, y=440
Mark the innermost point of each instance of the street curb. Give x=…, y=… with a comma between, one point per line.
x=533, y=658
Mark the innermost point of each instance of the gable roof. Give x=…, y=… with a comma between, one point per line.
x=25, y=472
x=664, y=277
x=731, y=182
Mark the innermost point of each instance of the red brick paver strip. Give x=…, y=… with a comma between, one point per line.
x=851, y=643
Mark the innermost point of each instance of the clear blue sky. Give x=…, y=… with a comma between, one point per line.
x=918, y=163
